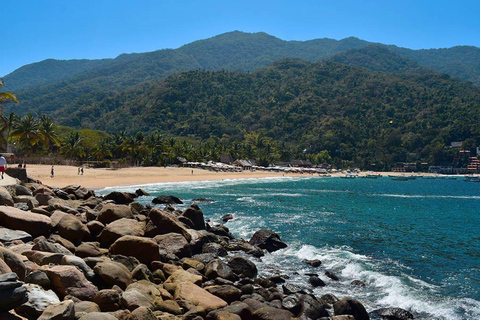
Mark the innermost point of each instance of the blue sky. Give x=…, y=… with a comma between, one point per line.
x=34, y=30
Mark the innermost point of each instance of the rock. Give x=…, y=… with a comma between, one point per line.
x=119, y=228
x=342, y=317
x=242, y=245
x=108, y=300
x=174, y=243
x=268, y=240
x=38, y=277
x=12, y=293
x=270, y=313
x=8, y=235
x=5, y=197
x=89, y=249
x=141, y=192
x=289, y=288
x=358, y=283
x=80, y=264
x=167, y=200
x=187, y=291
x=98, y=316
x=181, y=275
x=141, y=272
x=218, y=268
x=71, y=228
x=163, y=222
x=61, y=311
x=32, y=223
x=350, y=306
x=43, y=258
x=14, y=262
x=119, y=197
x=143, y=313
x=134, y=298
x=314, y=263
x=224, y=315
x=195, y=214
x=220, y=230
x=113, y=273
x=170, y=306
x=68, y=280
x=144, y=249
x=192, y=263
x=38, y=300
x=311, y=308
x=225, y=292
x=227, y=217
x=316, y=282
x=111, y=212
x=129, y=262
x=392, y=314
x=329, y=298
x=205, y=200
x=292, y=304
x=21, y=190
x=332, y=275
x=42, y=244
x=215, y=249
x=243, y=267
x=79, y=192
x=84, y=307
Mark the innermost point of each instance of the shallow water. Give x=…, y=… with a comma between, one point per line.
x=416, y=243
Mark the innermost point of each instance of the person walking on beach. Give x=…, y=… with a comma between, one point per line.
x=52, y=172
x=3, y=165
x=81, y=170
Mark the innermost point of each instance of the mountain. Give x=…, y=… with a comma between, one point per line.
x=50, y=86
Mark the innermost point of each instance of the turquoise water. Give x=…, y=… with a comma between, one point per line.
x=416, y=244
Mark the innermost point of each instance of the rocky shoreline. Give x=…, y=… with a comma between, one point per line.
x=69, y=254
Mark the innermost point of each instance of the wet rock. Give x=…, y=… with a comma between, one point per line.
x=289, y=288
x=227, y=217
x=292, y=304
x=392, y=314
x=141, y=192
x=332, y=275
x=350, y=306
x=268, y=240
x=243, y=267
x=195, y=214
x=311, y=308
x=316, y=282
x=204, y=200
x=314, y=263
x=167, y=200
x=358, y=283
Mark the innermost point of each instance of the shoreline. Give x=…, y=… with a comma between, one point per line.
x=102, y=177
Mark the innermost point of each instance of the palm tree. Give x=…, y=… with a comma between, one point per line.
x=48, y=132
x=26, y=132
x=102, y=150
x=6, y=97
x=72, y=146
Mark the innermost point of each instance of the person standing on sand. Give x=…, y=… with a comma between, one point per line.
x=52, y=172
x=3, y=165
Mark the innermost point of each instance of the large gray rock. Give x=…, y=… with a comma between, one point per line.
x=144, y=249
x=163, y=222
x=8, y=235
x=42, y=244
x=267, y=239
x=243, y=267
x=174, y=243
x=12, y=293
x=119, y=197
x=392, y=314
x=195, y=214
x=217, y=268
x=350, y=306
x=38, y=300
x=120, y=228
x=32, y=223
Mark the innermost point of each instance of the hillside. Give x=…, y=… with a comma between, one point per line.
x=366, y=116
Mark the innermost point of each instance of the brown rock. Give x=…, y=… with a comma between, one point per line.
x=174, y=243
x=43, y=258
x=144, y=249
x=113, y=273
x=71, y=228
x=108, y=300
x=143, y=313
x=84, y=307
x=69, y=280
x=195, y=214
x=111, y=212
x=187, y=291
x=89, y=249
x=32, y=223
x=13, y=261
x=270, y=313
x=182, y=276
x=119, y=228
x=163, y=222
x=5, y=197
x=61, y=311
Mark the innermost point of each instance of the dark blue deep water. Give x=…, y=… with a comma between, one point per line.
x=416, y=244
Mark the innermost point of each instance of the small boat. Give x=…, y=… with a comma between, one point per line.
x=400, y=178
x=472, y=179
x=429, y=177
x=348, y=176
x=372, y=176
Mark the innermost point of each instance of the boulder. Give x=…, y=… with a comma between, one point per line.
x=311, y=308
x=38, y=300
x=79, y=192
x=181, y=275
x=289, y=288
x=267, y=239
x=5, y=197
x=89, y=249
x=38, y=277
x=120, y=228
x=111, y=212
x=97, y=316
x=12, y=293
x=188, y=291
x=143, y=313
x=119, y=197
x=195, y=214
x=80, y=264
x=270, y=313
x=113, y=273
x=42, y=244
x=134, y=298
x=108, y=300
x=167, y=200
x=32, y=223
x=214, y=248
x=392, y=314
x=67, y=244
x=227, y=217
x=316, y=282
x=243, y=267
x=141, y=272
x=163, y=222
x=217, y=268
x=68, y=280
x=228, y=293
x=350, y=306
x=8, y=235
x=43, y=258
x=14, y=262
x=144, y=249
x=71, y=228
x=21, y=190
x=242, y=245
x=129, y=262
x=174, y=243
x=141, y=192
x=315, y=263
x=332, y=275
x=64, y=310
x=84, y=307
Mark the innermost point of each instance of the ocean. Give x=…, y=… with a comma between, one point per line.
x=415, y=244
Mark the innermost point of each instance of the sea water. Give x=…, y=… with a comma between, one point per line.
x=415, y=244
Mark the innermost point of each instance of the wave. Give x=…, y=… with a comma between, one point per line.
x=425, y=196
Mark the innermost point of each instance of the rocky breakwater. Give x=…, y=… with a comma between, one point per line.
x=69, y=254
